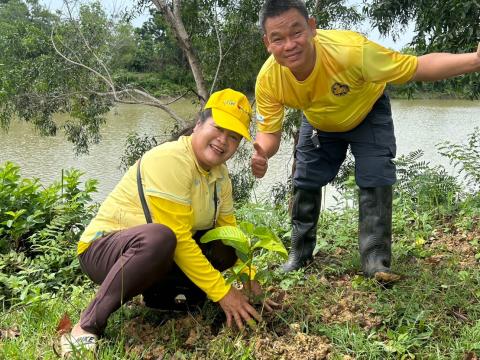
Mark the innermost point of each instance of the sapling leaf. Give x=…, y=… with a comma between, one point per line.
x=270, y=241
x=230, y=236
x=246, y=227
x=242, y=256
x=243, y=277
x=239, y=267
x=272, y=245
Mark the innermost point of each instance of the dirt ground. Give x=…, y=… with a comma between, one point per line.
x=274, y=339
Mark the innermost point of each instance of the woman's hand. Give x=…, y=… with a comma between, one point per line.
x=236, y=307
x=255, y=289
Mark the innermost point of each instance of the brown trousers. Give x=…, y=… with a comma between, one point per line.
x=137, y=261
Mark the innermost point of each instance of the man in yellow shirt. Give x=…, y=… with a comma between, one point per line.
x=337, y=78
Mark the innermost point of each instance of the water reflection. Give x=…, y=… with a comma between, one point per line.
x=420, y=124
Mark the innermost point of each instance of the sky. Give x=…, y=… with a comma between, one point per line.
x=116, y=6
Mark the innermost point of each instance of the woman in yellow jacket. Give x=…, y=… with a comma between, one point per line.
x=185, y=189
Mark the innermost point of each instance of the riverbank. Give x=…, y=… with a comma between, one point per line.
x=161, y=87
x=419, y=124
x=330, y=311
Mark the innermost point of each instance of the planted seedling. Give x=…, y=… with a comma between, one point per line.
x=247, y=240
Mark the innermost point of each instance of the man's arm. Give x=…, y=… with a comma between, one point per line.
x=438, y=66
x=266, y=145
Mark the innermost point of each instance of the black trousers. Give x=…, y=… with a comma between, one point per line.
x=372, y=144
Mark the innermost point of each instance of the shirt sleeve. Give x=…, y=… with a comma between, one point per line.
x=269, y=111
x=382, y=65
x=162, y=178
x=188, y=255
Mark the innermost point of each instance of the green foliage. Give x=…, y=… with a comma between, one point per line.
x=280, y=195
x=24, y=207
x=243, y=181
x=242, y=185
x=245, y=239
x=334, y=14
x=263, y=215
x=35, y=82
x=158, y=84
x=423, y=187
x=291, y=124
x=39, y=229
x=449, y=26
x=466, y=158
x=135, y=147
x=431, y=313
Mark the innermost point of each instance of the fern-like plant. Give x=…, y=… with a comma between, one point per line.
x=465, y=158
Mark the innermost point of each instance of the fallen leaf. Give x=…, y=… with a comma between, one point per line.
x=65, y=325
x=9, y=333
x=470, y=356
x=192, y=338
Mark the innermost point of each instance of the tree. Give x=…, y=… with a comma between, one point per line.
x=35, y=82
x=77, y=65
x=445, y=26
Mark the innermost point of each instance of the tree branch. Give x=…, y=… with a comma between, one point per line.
x=152, y=100
x=102, y=64
x=175, y=22
x=220, y=54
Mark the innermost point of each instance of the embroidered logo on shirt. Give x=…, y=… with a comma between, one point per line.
x=340, y=89
x=260, y=118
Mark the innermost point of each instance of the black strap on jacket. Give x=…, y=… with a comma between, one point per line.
x=146, y=210
x=215, y=200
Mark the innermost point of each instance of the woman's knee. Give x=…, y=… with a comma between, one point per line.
x=159, y=239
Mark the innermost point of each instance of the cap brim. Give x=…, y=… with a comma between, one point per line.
x=229, y=122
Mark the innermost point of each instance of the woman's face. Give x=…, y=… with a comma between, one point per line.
x=212, y=144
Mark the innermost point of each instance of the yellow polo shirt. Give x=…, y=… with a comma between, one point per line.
x=349, y=76
x=179, y=195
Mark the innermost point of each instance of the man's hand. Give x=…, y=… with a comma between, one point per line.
x=255, y=288
x=236, y=307
x=259, y=161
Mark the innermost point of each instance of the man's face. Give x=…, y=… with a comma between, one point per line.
x=289, y=38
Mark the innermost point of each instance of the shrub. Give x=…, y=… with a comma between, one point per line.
x=39, y=229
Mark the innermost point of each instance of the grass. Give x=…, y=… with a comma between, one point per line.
x=330, y=310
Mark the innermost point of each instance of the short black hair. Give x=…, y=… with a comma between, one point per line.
x=201, y=117
x=204, y=115
x=272, y=8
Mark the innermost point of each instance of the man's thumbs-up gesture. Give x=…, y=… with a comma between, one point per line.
x=259, y=161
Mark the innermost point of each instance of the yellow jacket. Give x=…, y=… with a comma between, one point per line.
x=180, y=195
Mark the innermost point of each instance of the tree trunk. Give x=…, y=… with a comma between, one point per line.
x=174, y=19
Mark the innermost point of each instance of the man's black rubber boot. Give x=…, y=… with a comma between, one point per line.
x=305, y=212
x=375, y=232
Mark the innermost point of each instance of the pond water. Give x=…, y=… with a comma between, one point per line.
x=419, y=124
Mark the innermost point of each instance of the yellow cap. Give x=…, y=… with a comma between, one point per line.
x=231, y=110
